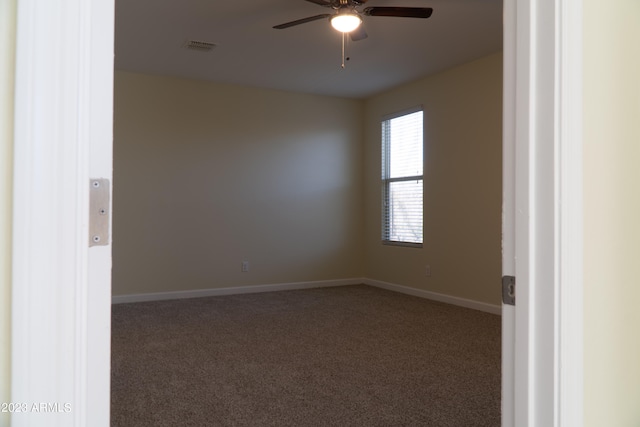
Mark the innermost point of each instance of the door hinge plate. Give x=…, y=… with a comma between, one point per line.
x=509, y=290
x=99, y=212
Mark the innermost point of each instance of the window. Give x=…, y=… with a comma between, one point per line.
x=402, y=178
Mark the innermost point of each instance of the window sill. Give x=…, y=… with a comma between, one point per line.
x=405, y=244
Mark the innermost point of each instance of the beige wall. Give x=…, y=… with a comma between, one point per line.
x=463, y=187
x=208, y=175
x=7, y=61
x=612, y=213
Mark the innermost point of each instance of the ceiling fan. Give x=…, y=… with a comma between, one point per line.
x=347, y=19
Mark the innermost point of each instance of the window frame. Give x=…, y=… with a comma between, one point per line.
x=387, y=181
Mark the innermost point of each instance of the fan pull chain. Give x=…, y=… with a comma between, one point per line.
x=343, y=36
x=344, y=42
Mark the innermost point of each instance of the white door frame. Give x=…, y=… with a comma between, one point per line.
x=542, y=213
x=63, y=114
x=61, y=289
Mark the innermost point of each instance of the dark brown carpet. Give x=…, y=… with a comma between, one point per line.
x=343, y=356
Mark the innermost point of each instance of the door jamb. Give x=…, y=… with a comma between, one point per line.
x=62, y=102
x=547, y=150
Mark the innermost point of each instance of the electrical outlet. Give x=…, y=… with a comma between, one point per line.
x=427, y=270
x=245, y=266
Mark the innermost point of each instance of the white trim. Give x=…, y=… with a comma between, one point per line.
x=56, y=93
x=461, y=302
x=523, y=407
x=507, y=403
x=569, y=217
x=99, y=121
x=49, y=280
x=236, y=290
x=548, y=313
x=7, y=79
x=214, y=292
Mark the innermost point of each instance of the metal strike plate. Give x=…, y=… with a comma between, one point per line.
x=509, y=290
x=99, y=198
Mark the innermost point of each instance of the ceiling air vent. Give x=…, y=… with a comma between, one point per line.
x=199, y=45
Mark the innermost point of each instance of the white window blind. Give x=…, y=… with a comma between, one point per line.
x=402, y=178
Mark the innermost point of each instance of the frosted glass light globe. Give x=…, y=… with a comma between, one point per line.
x=345, y=22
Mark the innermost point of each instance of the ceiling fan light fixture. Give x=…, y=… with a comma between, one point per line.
x=345, y=22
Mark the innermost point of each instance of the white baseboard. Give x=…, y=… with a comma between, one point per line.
x=462, y=302
x=157, y=296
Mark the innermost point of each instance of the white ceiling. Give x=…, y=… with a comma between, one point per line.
x=150, y=38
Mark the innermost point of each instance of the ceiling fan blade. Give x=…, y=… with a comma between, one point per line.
x=402, y=12
x=358, y=34
x=302, y=21
x=322, y=2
